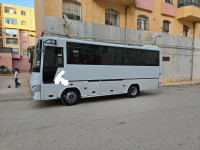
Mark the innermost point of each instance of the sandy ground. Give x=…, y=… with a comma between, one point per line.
x=13, y=93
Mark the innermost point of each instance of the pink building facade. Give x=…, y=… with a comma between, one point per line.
x=169, y=9
x=19, y=60
x=6, y=60
x=9, y=60
x=145, y=4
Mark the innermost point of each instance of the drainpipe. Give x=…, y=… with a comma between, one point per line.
x=126, y=25
x=193, y=48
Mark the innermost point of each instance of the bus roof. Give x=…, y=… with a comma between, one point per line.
x=146, y=47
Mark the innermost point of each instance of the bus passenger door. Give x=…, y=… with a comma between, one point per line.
x=53, y=59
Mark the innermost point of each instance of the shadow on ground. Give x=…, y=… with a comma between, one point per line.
x=57, y=102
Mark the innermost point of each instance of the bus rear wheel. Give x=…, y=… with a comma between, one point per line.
x=133, y=91
x=70, y=97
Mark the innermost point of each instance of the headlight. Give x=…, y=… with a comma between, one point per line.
x=34, y=89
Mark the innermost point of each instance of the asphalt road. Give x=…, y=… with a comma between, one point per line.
x=163, y=119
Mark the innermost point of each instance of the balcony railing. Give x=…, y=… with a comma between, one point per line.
x=5, y=50
x=182, y=3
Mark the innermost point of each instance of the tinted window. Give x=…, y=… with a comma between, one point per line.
x=150, y=58
x=107, y=56
x=53, y=58
x=133, y=57
x=78, y=53
x=117, y=56
x=83, y=54
x=37, y=57
x=112, y=56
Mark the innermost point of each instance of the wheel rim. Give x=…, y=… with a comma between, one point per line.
x=71, y=97
x=133, y=91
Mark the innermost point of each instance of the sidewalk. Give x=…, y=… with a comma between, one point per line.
x=20, y=93
x=23, y=92
x=181, y=83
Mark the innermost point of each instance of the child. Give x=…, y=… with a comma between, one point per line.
x=16, y=75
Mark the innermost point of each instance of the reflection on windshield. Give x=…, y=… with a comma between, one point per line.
x=36, y=61
x=37, y=57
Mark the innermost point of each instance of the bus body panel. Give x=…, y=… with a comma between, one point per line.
x=102, y=72
x=96, y=80
x=35, y=86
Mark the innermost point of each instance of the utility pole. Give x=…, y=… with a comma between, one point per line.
x=193, y=48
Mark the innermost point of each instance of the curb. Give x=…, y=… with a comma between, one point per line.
x=23, y=99
x=6, y=74
x=182, y=84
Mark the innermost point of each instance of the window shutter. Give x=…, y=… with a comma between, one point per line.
x=165, y=26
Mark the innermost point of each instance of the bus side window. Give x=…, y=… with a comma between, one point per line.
x=59, y=58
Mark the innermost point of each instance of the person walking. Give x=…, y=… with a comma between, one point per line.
x=16, y=75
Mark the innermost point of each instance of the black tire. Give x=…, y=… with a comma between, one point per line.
x=70, y=97
x=133, y=91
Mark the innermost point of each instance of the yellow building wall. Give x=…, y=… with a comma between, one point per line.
x=94, y=11
x=1, y=17
x=29, y=19
x=39, y=14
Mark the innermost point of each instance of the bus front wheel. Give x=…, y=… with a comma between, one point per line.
x=133, y=91
x=70, y=97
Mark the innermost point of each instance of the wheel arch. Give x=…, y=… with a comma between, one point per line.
x=70, y=88
x=136, y=85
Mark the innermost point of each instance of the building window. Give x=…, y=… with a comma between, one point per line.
x=24, y=43
x=10, y=10
x=166, y=26
x=1, y=42
x=11, y=32
x=143, y=22
x=185, y=30
x=23, y=13
x=112, y=17
x=11, y=41
x=0, y=32
x=169, y=1
x=25, y=52
x=72, y=9
x=10, y=20
x=15, y=51
x=188, y=2
x=23, y=23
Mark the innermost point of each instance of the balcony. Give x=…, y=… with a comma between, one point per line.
x=10, y=10
x=188, y=10
x=182, y=3
x=5, y=50
x=16, y=56
x=119, y=2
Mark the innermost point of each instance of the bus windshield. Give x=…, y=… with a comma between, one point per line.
x=37, y=57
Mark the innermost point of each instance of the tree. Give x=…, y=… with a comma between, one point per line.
x=30, y=53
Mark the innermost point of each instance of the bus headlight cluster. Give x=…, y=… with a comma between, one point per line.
x=34, y=89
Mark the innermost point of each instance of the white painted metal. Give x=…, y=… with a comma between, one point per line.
x=92, y=80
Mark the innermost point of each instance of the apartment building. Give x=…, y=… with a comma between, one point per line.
x=1, y=27
x=169, y=16
x=173, y=25
x=18, y=23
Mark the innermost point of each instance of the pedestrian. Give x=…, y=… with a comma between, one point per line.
x=16, y=76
